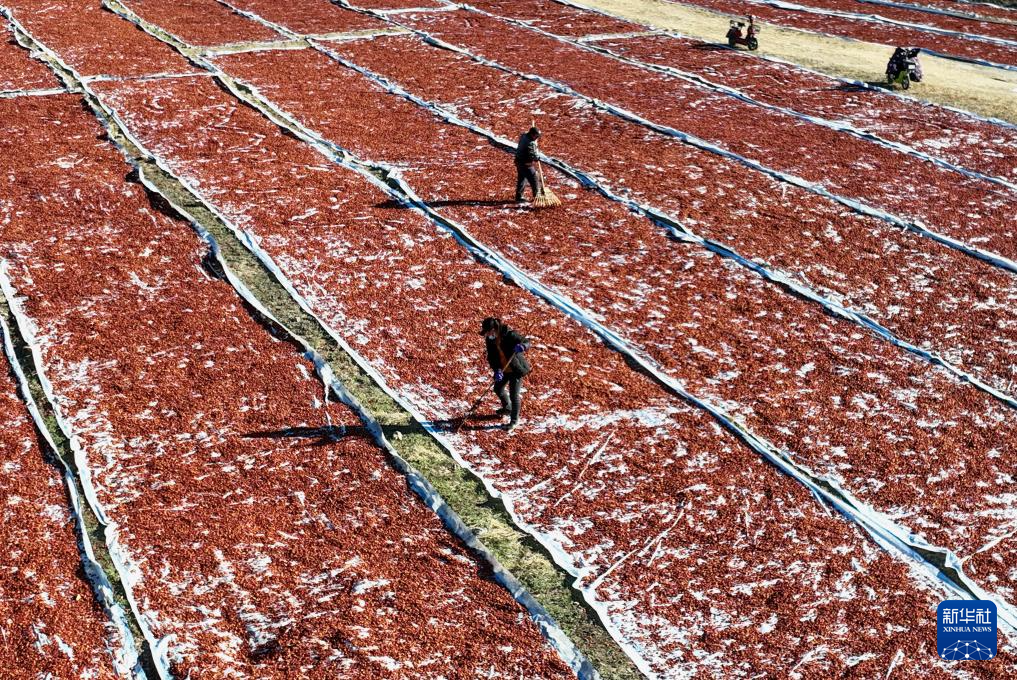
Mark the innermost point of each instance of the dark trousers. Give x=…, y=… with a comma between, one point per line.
x=510, y=398
x=525, y=174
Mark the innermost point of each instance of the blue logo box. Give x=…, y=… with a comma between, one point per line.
x=966, y=630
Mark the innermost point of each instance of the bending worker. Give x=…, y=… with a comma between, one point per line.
x=526, y=163
x=505, y=356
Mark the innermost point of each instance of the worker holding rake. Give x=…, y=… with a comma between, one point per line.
x=528, y=171
x=505, y=356
x=526, y=163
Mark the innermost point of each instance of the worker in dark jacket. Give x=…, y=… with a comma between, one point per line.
x=505, y=356
x=526, y=163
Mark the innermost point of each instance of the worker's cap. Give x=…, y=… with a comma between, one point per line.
x=490, y=324
x=534, y=132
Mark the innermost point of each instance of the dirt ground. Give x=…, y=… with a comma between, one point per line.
x=981, y=89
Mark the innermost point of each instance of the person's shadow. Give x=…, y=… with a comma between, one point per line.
x=850, y=87
x=471, y=203
x=329, y=435
x=325, y=435
x=470, y=423
x=710, y=47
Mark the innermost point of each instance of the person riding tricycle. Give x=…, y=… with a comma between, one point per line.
x=735, y=35
x=904, y=67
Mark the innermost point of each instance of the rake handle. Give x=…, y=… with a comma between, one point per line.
x=480, y=398
x=540, y=177
x=540, y=169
